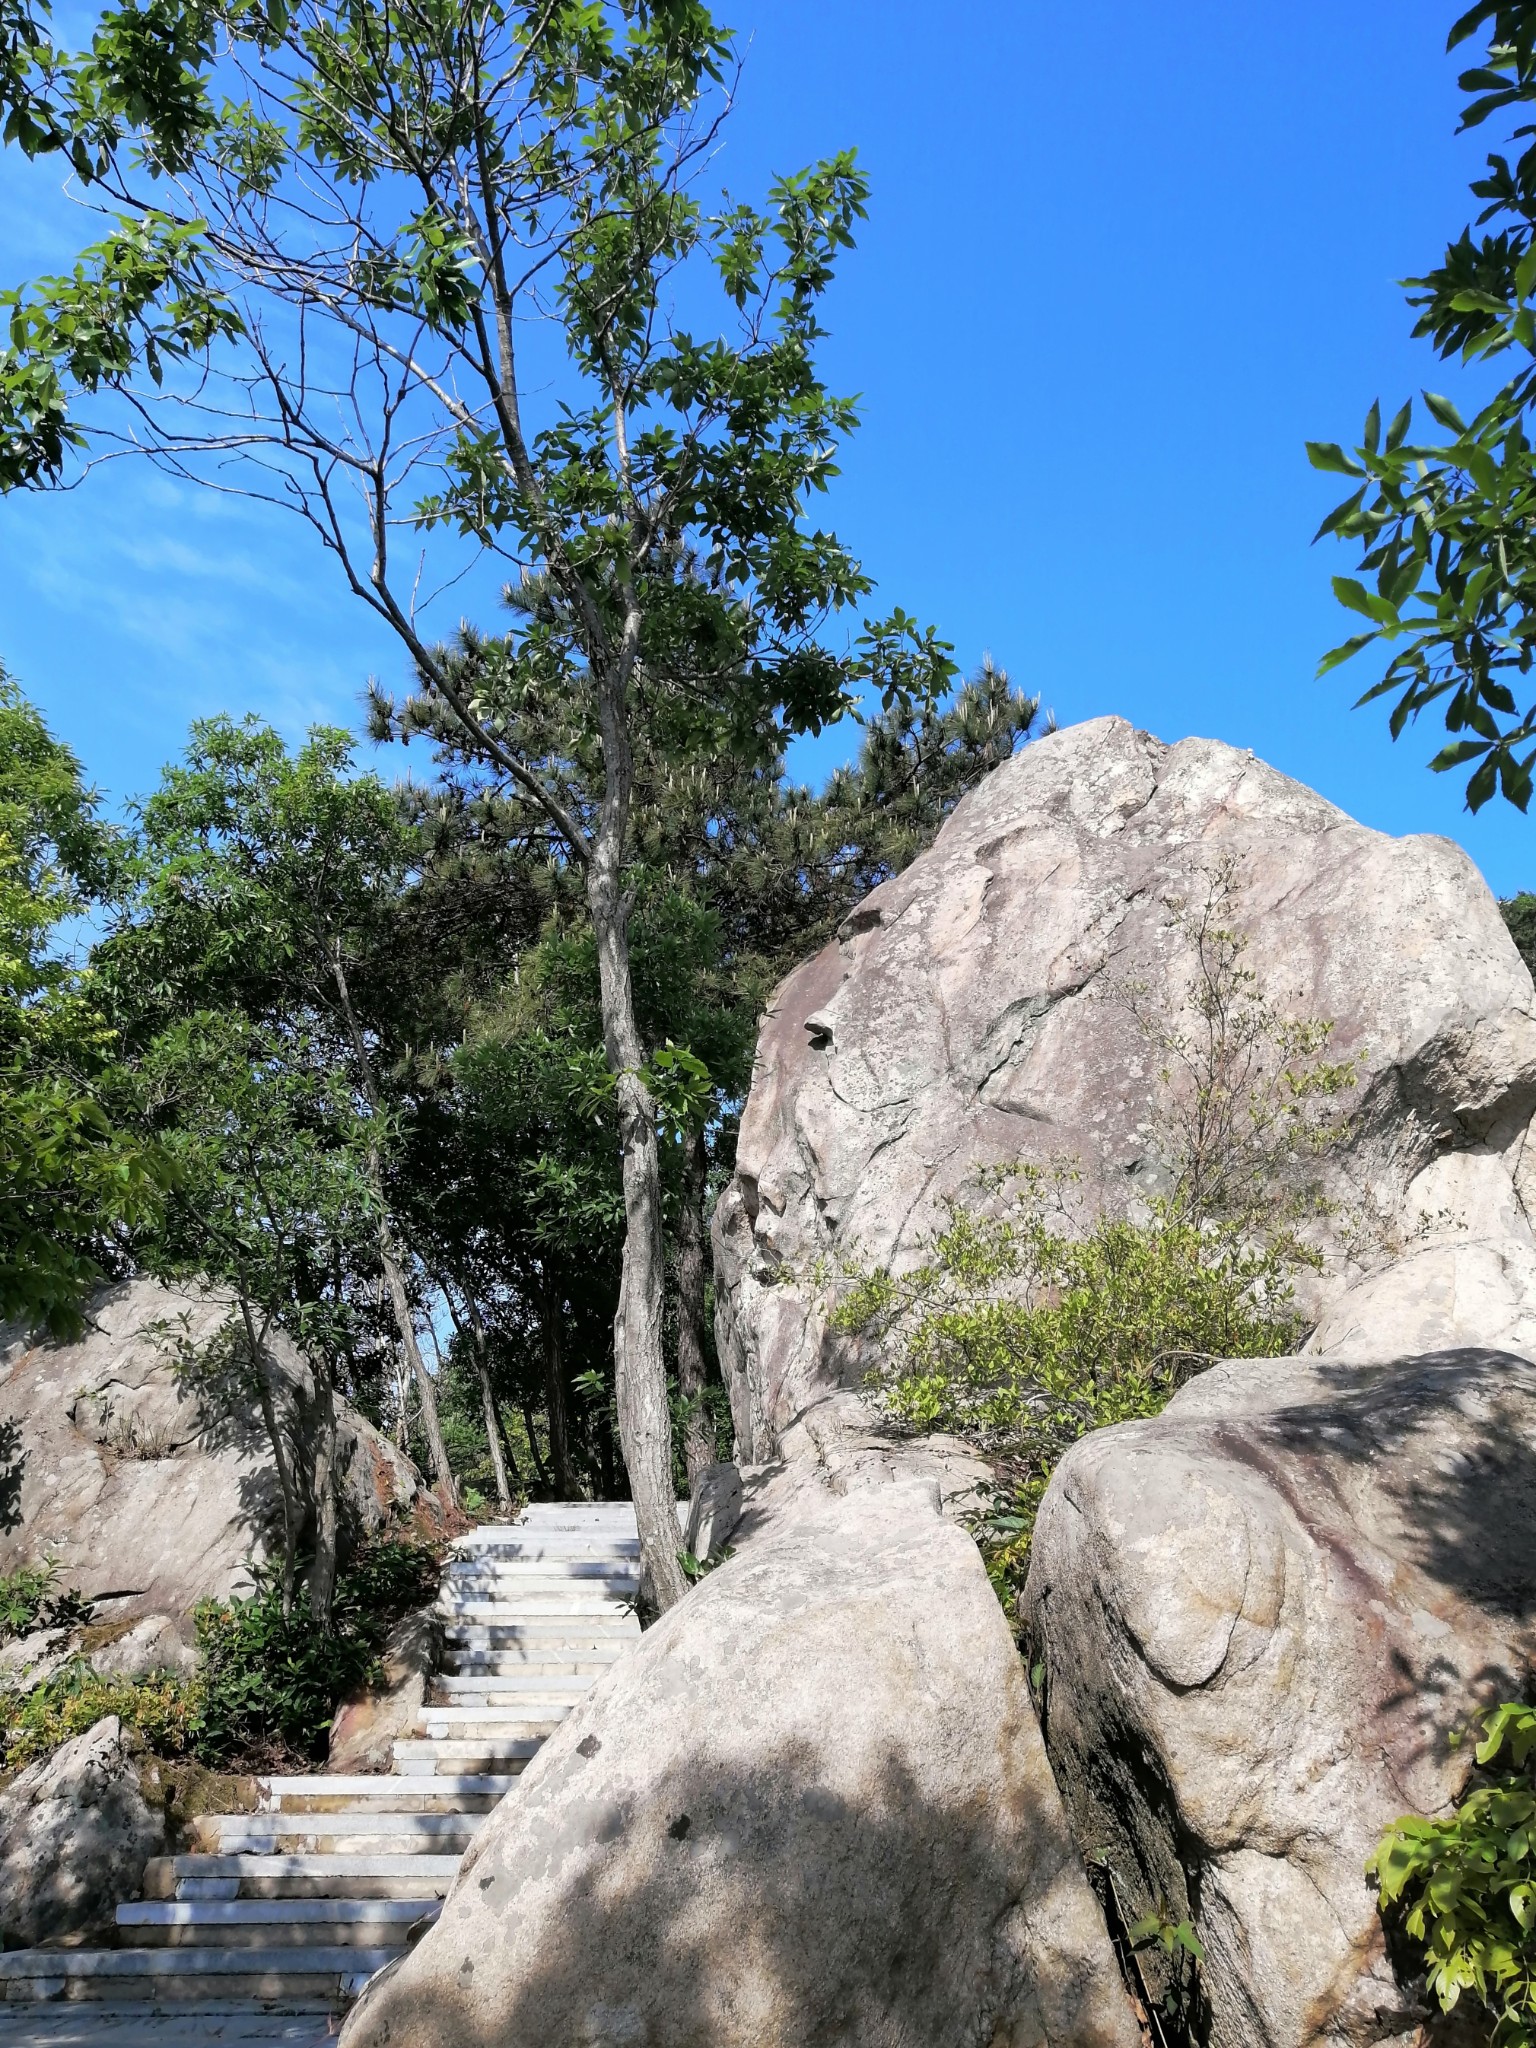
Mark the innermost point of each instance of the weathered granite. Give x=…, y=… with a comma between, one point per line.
x=1260, y=1619
x=972, y=1012
x=811, y=1805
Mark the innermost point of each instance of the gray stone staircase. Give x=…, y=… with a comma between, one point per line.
x=278, y=1918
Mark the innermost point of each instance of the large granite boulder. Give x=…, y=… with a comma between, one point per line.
x=75, y=1836
x=148, y=1497
x=1261, y=1618
x=811, y=1805
x=974, y=1011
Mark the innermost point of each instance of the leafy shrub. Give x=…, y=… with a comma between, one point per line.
x=31, y=1599
x=1463, y=1890
x=165, y=1711
x=1023, y=1338
x=271, y=1682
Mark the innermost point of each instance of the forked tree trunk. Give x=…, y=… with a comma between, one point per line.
x=426, y=1392
x=640, y=1372
x=495, y=1435
x=698, y=1436
x=437, y=1450
x=554, y=1386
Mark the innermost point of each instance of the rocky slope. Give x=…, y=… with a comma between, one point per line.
x=147, y=1498
x=980, y=1008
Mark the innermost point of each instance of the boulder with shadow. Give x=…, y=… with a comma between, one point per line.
x=75, y=1836
x=1264, y=1619
x=810, y=1806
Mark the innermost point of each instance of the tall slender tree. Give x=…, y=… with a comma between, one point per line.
x=336, y=287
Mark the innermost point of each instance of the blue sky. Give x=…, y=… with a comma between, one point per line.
x=1120, y=264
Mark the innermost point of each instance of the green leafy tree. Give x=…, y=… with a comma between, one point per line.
x=1447, y=525
x=340, y=292
x=275, y=1196
x=73, y=1180
x=265, y=887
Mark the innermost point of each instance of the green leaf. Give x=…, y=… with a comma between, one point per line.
x=1446, y=413
x=1330, y=456
x=1337, y=656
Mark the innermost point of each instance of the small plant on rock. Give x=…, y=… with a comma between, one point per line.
x=1463, y=1889
x=1022, y=1337
x=31, y=1598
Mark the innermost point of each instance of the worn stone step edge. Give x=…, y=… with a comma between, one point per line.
x=191, y=1962
x=272, y=1912
x=471, y=1784
x=301, y=1863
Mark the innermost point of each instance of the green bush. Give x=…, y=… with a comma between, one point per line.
x=30, y=1599
x=271, y=1682
x=1463, y=1890
x=267, y=1685
x=163, y=1709
x=1023, y=1338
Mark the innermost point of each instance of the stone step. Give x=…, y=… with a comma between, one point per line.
x=513, y=1720
x=188, y=2024
x=554, y=1571
x=464, y=1689
x=264, y=1923
x=323, y=1974
x=485, y=1610
x=378, y=1874
x=340, y=1834
x=518, y=1659
x=545, y=1633
x=426, y=1756
x=553, y=1547
x=469, y=1792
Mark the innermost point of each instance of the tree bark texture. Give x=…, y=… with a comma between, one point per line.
x=640, y=1372
x=554, y=1387
x=322, y=1570
x=698, y=1435
x=432, y=1428
x=495, y=1435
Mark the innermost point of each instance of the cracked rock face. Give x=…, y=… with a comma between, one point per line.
x=147, y=1499
x=811, y=1805
x=973, y=1012
x=1260, y=1617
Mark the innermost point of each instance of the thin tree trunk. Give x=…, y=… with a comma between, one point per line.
x=495, y=1435
x=437, y=1451
x=554, y=1386
x=263, y=1379
x=541, y=1470
x=426, y=1392
x=698, y=1437
x=640, y=1372
x=322, y=1570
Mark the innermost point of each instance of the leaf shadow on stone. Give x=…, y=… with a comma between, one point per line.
x=1450, y=1439
x=736, y=1908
